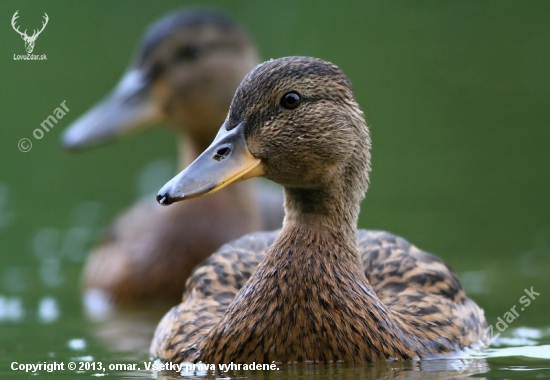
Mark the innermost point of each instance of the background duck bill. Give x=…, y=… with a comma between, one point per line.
x=128, y=108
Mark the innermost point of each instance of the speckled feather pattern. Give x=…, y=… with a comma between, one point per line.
x=423, y=294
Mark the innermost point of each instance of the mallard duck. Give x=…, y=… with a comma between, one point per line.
x=319, y=290
x=185, y=73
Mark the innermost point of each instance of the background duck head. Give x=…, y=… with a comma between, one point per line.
x=185, y=73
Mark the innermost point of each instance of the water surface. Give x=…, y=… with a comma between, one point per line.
x=457, y=97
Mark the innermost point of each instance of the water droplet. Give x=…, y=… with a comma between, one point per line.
x=11, y=309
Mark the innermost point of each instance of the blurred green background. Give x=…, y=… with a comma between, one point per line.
x=457, y=94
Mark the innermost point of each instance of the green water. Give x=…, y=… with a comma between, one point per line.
x=457, y=94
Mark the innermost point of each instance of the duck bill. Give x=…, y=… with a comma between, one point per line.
x=129, y=107
x=227, y=160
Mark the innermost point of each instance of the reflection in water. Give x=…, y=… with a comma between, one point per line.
x=77, y=344
x=522, y=336
x=46, y=249
x=11, y=309
x=127, y=330
x=50, y=272
x=428, y=369
x=75, y=243
x=46, y=243
x=50, y=245
x=48, y=310
x=533, y=352
x=85, y=358
x=97, y=305
x=84, y=222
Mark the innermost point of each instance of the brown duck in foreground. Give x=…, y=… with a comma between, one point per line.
x=319, y=290
x=185, y=73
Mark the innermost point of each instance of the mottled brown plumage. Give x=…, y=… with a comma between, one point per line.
x=185, y=74
x=319, y=290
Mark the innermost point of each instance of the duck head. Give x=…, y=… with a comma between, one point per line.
x=185, y=73
x=294, y=121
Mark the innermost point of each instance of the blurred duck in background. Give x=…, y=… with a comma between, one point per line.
x=185, y=74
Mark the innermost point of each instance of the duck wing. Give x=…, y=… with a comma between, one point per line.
x=209, y=291
x=422, y=292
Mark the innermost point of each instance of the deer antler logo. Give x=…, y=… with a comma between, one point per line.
x=29, y=40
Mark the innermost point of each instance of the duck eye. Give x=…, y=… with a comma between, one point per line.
x=186, y=53
x=291, y=100
x=156, y=71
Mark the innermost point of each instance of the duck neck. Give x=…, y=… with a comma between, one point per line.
x=332, y=208
x=322, y=211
